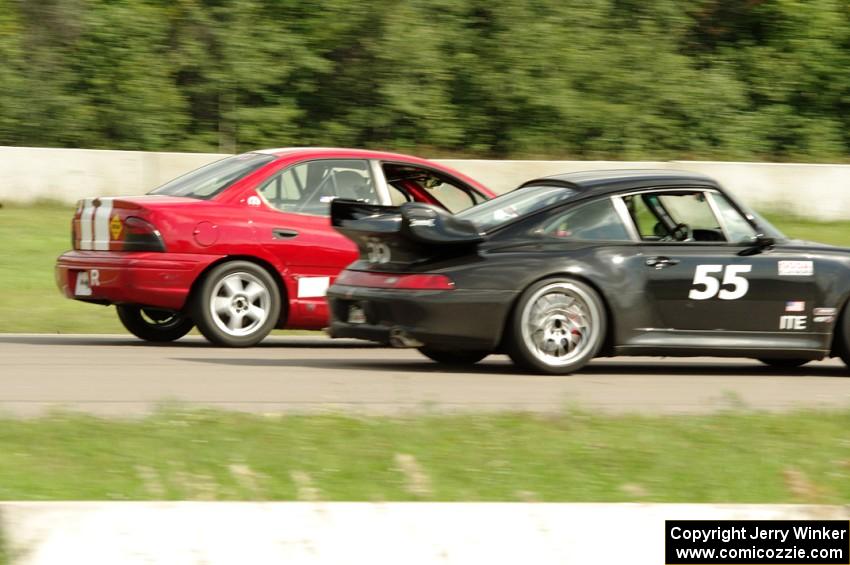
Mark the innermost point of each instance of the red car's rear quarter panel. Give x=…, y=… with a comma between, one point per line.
x=155, y=279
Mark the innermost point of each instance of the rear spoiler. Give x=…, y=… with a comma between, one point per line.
x=408, y=233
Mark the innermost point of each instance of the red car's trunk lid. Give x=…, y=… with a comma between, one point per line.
x=100, y=224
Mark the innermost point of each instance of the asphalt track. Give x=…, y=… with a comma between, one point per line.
x=122, y=376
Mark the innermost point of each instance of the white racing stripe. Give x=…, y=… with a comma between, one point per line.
x=85, y=224
x=101, y=225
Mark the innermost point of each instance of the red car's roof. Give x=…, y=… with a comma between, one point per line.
x=337, y=151
x=341, y=152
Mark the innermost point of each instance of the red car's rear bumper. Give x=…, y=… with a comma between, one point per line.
x=152, y=279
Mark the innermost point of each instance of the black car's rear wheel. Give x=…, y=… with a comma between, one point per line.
x=237, y=304
x=153, y=324
x=785, y=363
x=557, y=327
x=453, y=356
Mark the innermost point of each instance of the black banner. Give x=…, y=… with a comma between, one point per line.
x=757, y=542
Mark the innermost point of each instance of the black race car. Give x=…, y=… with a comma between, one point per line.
x=599, y=263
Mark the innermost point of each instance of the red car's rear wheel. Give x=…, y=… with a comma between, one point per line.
x=237, y=304
x=152, y=324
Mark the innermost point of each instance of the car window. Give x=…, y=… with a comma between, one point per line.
x=213, y=178
x=596, y=221
x=644, y=219
x=453, y=197
x=409, y=183
x=680, y=216
x=738, y=228
x=520, y=202
x=308, y=188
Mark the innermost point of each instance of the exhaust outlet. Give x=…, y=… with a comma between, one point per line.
x=400, y=338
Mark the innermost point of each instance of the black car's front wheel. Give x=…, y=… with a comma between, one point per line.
x=557, y=327
x=453, y=356
x=237, y=304
x=153, y=324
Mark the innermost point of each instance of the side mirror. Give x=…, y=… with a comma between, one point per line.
x=760, y=242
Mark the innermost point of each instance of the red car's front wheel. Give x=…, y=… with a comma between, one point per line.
x=237, y=304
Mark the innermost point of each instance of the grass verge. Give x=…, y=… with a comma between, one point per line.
x=732, y=457
x=32, y=237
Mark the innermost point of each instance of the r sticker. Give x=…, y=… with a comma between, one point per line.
x=796, y=268
x=795, y=306
x=254, y=201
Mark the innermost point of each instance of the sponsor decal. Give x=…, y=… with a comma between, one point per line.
x=792, y=322
x=796, y=268
x=254, y=201
x=313, y=287
x=795, y=306
x=824, y=315
x=377, y=252
x=115, y=227
x=426, y=223
x=825, y=311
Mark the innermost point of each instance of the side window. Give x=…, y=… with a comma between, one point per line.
x=397, y=196
x=452, y=196
x=738, y=228
x=597, y=221
x=683, y=216
x=644, y=219
x=308, y=188
x=410, y=183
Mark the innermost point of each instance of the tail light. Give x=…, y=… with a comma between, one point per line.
x=139, y=235
x=419, y=281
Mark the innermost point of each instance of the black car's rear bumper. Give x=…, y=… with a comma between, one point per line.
x=458, y=319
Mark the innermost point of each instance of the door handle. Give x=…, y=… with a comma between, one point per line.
x=661, y=262
x=283, y=233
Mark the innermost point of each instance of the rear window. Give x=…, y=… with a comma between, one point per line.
x=211, y=179
x=521, y=202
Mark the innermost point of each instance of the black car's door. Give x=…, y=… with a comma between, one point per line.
x=701, y=287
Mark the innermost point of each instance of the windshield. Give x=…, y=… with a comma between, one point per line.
x=211, y=179
x=520, y=202
x=766, y=227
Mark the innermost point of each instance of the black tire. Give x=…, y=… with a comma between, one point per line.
x=587, y=320
x=785, y=363
x=453, y=356
x=841, y=339
x=237, y=304
x=153, y=324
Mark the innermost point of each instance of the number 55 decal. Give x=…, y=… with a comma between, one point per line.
x=704, y=277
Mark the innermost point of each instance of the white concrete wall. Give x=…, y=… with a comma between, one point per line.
x=28, y=174
x=108, y=533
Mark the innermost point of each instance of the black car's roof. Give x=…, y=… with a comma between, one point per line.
x=618, y=180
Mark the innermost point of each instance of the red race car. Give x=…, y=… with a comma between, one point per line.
x=243, y=245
